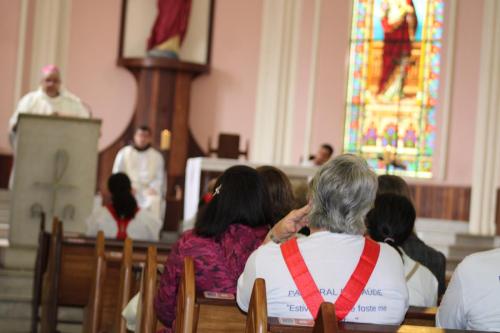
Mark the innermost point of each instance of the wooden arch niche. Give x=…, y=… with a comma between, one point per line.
x=163, y=92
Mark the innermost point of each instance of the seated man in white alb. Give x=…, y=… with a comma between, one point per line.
x=472, y=299
x=49, y=99
x=144, y=165
x=335, y=260
x=123, y=217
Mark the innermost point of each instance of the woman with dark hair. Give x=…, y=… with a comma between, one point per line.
x=280, y=192
x=391, y=221
x=413, y=246
x=123, y=217
x=227, y=230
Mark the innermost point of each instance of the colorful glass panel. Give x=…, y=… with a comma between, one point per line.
x=394, y=67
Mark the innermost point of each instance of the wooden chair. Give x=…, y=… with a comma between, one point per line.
x=228, y=147
x=257, y=310
x=146, y=317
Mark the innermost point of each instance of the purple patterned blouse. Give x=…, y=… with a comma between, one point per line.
x=217, y=264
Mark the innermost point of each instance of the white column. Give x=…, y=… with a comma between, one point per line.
x=276, y=81
x=486, y=157
x=51, y=36
x=311, y=88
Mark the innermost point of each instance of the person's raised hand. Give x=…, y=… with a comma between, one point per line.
x=290, y=224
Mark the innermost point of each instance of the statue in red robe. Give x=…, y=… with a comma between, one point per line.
x=170, y=28
x=399, y=23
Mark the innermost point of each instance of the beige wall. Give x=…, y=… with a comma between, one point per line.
x=224, y=100
x=9, y=25
x=92, y=73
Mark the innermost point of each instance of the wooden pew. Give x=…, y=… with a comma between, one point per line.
x=92, y=315
x=186, y=308
x=40, y=266
x=257, y=309
x=201, y=314
x=70, y=270
x=327, y=319
x=106, y=301
x=421, y=316
x=146, y=317
x=124, y=292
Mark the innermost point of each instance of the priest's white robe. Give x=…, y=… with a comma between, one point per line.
x=146, y=171
x=37, y=102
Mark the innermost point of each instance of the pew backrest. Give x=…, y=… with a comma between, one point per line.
x=146, y=318
x=49, y=303
x=256, y=321
x=185, y=321
x=125, y=287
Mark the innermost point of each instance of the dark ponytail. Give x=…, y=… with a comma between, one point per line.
x=391, y=220
x=122, y=199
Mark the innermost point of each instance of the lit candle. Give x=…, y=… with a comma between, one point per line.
x=165, y=140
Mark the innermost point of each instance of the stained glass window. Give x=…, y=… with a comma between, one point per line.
x=394, y=63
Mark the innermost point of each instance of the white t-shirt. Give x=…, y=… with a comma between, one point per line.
x=143, y=226
x=37, y=102
x=472, y=299
x=331, y=259
x=422, y=285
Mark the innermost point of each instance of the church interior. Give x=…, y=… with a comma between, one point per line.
x=182, y=91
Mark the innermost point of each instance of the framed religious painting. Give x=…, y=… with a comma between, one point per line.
x=173, y=29
x=393, y=81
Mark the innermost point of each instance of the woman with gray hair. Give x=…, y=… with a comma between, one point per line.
x=336, y=263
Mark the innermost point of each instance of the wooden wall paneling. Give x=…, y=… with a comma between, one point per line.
x=442, y=202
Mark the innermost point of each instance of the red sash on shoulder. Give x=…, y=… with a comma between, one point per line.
x=352, y=290
x=122, y=224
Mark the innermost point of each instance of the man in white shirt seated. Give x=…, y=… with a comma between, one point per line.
x=335, y=260
x=144, y=165
x=472, y=299
x=50, y=99
x=323, y=155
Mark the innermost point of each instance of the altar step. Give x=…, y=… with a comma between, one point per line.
x=4, y=217
x=16, y=288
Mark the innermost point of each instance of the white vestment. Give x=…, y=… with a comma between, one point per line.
x=472, y=299
x=146, y=171
x=144, y=226
x=37, y=102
